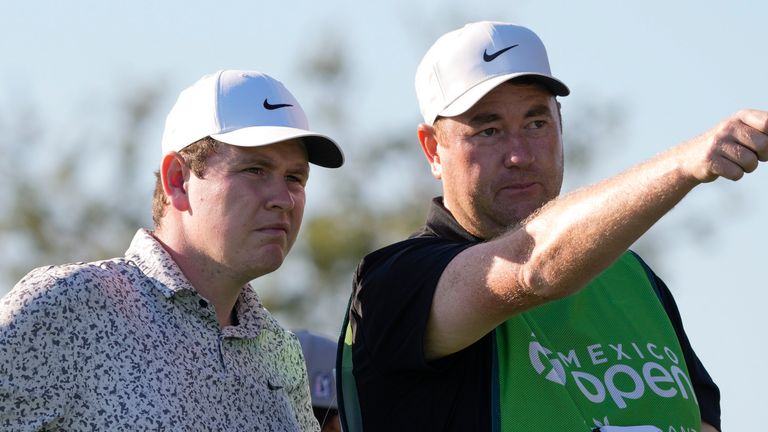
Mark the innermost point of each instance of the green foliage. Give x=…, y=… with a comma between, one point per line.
x=335, y=241
x=73, y=199
x=81, y=198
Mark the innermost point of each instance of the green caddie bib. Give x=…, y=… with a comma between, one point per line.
x=607, y=355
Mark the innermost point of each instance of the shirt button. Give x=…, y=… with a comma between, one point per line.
x=203, y=304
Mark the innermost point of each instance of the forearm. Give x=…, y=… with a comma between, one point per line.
x=554, y=253
x=576, y=237
x=563, y=246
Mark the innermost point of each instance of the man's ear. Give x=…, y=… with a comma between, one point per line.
x=428, y=139
x=174, y=174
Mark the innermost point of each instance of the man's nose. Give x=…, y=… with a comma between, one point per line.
x=517, y=152
x=280, y=197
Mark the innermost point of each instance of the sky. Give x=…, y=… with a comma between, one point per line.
x=674, y=69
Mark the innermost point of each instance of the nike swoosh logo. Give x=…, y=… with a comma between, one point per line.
x=269, y=384
x=270, y=107
x=490, y=57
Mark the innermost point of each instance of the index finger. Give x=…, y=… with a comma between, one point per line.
x=755, y=119
x=756, y=138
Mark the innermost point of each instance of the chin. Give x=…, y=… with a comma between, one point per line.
x=263, y=269
x=266, y=261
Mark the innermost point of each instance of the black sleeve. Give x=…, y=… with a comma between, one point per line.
x=392, y=299
x=707, y=392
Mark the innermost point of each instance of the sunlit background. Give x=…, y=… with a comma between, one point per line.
x=85, y=86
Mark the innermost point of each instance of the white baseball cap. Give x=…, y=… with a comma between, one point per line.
x=320, y=357
x=244, y=108
x=465, y=64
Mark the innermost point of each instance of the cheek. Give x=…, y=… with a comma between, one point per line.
x=207, y=202
x=300, y=201
x=552, y=167
x=464, y=172
x=549, y=152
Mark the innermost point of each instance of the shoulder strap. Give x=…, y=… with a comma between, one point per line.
x=346, y=386
x=649, y=273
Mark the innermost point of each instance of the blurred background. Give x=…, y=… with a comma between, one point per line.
x=85, y=87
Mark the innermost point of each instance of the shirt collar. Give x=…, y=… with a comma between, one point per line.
x=157, y=264
x=441, y=223
x=252, y=317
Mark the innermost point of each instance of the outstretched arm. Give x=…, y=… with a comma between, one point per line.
x=558, y=250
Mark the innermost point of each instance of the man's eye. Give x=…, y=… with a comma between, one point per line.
x=537, y=124
x=255, y=170
x=296, y=179
x=488, y=132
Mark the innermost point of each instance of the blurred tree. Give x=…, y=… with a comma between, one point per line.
x=82, y=198
x=72, y=199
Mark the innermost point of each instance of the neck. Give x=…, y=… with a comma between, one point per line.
x=223, y=303
x=209, y=280
x=225, y=312
x=465, y=221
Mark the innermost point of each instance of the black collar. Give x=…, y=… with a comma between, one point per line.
x=441, y=223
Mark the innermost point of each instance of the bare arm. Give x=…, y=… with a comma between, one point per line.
x=706, y=427
x=572, y=239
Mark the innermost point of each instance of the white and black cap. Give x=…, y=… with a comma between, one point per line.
x=244, y=108
x=464, y=65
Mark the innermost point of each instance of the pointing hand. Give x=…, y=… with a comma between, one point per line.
x=730, y=149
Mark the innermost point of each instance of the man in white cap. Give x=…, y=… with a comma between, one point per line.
x=514, y=308
x=171, y=336
x=320, y=356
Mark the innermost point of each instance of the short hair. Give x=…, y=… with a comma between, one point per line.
x=195, y=157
